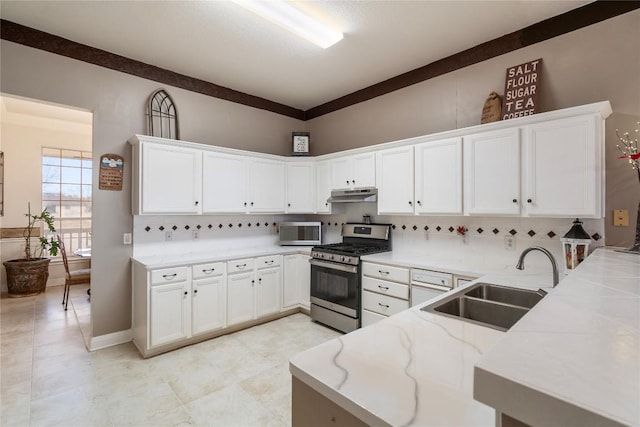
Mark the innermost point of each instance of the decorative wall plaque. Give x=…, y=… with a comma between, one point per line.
x=521, y=90
x=111, y=168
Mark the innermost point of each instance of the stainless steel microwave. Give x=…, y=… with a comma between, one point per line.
x=301, y=233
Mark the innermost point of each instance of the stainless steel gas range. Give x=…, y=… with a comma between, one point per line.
x=335, y=274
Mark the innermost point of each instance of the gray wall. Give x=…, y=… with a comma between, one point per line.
x=593, y=64
x=118, y=102
x=597, y=63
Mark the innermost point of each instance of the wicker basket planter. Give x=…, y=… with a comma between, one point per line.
x=27, y=277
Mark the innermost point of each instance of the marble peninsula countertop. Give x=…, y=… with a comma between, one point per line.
x=573, y=360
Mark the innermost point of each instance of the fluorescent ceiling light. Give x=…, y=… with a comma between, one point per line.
x=287, y=16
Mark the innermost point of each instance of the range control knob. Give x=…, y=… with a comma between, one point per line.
x=342, y=259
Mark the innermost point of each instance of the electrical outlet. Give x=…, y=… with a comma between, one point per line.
x=195, y=234
x=426, y=235
x=126, y=238
x=510, y=243
x=168, y=235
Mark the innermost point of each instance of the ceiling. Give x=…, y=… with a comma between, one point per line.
x=222, y=43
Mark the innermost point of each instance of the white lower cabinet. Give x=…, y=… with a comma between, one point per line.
x=256, y=292
x=296, y=284
x=209, y=305
x=169, y=313
x=385, y=291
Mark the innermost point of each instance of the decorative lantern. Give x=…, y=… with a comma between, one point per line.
x=575, y=245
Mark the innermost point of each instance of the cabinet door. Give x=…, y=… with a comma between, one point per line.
x=438, y=172
x=267, y=186
x=171, y=179
x=304, y=280
x=268, y=291
x=323, y=186
x=364, y=170
x=301, y=196
x=224, y=183
x=563, y=167
x=290, y=289
x=240, y=298
x=492, y=173
x=209, y=304
x=169, y=313
x=394, y=168
x=341, y=170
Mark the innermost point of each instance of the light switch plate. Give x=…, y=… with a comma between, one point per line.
x=620, y=218
x=126, y=238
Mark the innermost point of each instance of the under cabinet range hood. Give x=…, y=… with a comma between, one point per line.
x=369, y=194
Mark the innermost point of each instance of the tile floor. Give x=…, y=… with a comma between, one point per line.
x=48, y=377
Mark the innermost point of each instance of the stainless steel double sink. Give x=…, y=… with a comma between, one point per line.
x=485, y=304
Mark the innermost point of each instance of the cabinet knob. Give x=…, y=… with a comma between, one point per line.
x=353, y=181
x=347, y=182
x=197, y=203
x=326, y=203
x=515, y=200
x=529, y=201
x=245, y=203
x=410, y=203
x=186, y=292
x=195, y=291
x=251, y=203
x=288, y=204
x=260, y=280
x=419, y=202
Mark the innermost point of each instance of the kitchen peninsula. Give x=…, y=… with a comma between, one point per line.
x=573, y=360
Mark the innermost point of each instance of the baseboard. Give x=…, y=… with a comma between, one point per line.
x=109, y=340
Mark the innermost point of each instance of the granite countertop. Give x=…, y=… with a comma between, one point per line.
x=577, y=348
x=200, y=257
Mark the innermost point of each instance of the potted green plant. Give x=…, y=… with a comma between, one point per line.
x=28, y=276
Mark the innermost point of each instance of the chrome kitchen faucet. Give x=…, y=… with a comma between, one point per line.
x=554, y=265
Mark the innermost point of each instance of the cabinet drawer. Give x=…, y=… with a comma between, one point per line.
x=240, y=265
x=369, y=318
x=393, y=289
x=396, y=274
x=383, y=304
x=201, y=271
x=168, y=275
x=268, y=261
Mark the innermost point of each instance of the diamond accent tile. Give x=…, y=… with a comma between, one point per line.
x=274, y=224
x=174, y=228
x=426, y=228
x=147, y=228
x=451, y=229
x=438, y=228
x=161, y=228
x=257, y=224
x=230, y=225
x=596, y=237
x=551, y=234
x=240, y=225
x=248, y=224
x=415, y=228
x=531, y=233
x=513, y=232
x=198, y=226
x=186, y=227
x=495, y=231
x=220, y=226
x=266, y=224
x=480, y=230
x=209, y=226
x=393, y=226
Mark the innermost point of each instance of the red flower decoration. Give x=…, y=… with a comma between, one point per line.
x=631, y=156
x=461, y=230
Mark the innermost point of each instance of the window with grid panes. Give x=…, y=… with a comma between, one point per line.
x=67, y=195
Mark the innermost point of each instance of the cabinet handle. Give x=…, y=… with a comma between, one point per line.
x=169, y=276
x=515, y=200
x=269, y=262
x=529, y=201
x=240, y=266
x=384, y=288
x=208, y=271
x=383, y=305
x=383, y=272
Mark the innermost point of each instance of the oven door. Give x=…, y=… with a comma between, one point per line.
x=335, y=287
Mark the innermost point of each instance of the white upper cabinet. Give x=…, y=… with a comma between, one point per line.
x=224, y=186
x=492, y=173
x=354, y=171
x=301, y=196
x=266, y=185
x=438, y=182
x=170, y=179
x=323, y=186
x=394, y=176
x=563, y=167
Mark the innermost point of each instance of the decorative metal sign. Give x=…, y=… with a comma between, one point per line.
x=521, y=90
x=111, y=168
